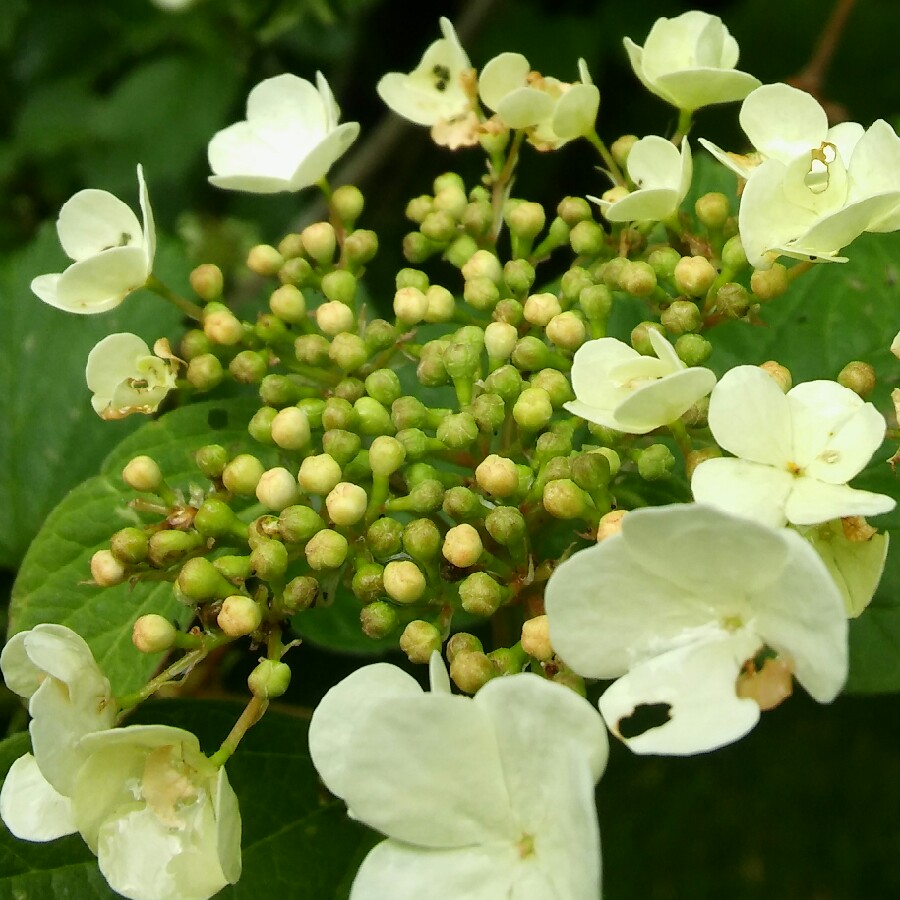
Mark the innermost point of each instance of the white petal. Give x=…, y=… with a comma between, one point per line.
x=323, y=156
x=636, y=58
x=845, y=136
x=671, y=43
x=286, y=105
x=650, y=205
x=576, y=111
x=744, y=488
x=329, y=104
x=103, y=281
x=45, y=288
x=663, y=401
x=591, y=366
x=831, y=233
x=750, y=416
x=812, y=502
x=697, y=684
x=149, y=223
x=733, y=161
x=604, y=416
x=874, y=162
x=438, y=676
x=20, y=674
x=500, y=76
x=703, y=86
x=525, y=107
x=239, y=152
x=30, y=807
x=801, y=615
x=93, y=221
x=783, y=122
x=228, y=828
x=335, y=718
x=112, y=360
x=653, y=162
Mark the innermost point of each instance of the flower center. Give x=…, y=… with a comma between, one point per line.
x=525, y=846
x=167, y=785
x=816, y=178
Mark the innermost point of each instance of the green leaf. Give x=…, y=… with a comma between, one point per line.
x=52, y=439
x=297, y=841
x=52, y=584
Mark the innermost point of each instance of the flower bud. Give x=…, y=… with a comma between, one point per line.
x=207, y=282
x=339, y=413
x=596, y=302
x=386, y=455
x=458, y=431
x=384, y=537
x=499, y=340
x=610, y=524
x=368, y=582
x=319, y=242
x=574, y=281
x=461, y=250
x=655, y=462
x=194, y=343
x=439, y=226
x=291, y=246
x=483, y=264
x=290, y=428
x=169, y=546
x=519, y=275
x=681, y=316
x=461, y=503
x=567, y=331
x=471, y=671
x=289, y=304
x=319, y=474
x=587, y=238
x=211, y=460
x=270, y=329
x=200, y=580
x=693, y=349
x=334, y=317
x=419, y=207
x=346, y=503
x=419, y=640
x=279, y=391
x=379, y=335
x=509, y=311
x=441, y=304
x=859, y=377
x=451, y=198
x=481, y=293
x=539, y=309
x=347, y=203
x=694, y=275
x=129, y=546
x=712, y=209
x=780, y=373
x=421, y=540
x=489, y=412
x=573, y=210
x=311, y=349
x=638, y=279
x=360, y=247
x=695, y=457
x=339, y=286
x=153, y=634
x=424, y=497
x=563, y=499
x=221, y=326
x=526, y=220
x=663, y=261
x=536, y=638
x=297, y=271
x=410, y=306
x=348, y=351
x=269, y=679
x=462, y=546
x=204, y=372
x=277, y=489
x=462, y=360
x=106, y=570
x=557, y=386
x=378, y=619
x=242, y=474
x=480, y=594
x=373, y=419
x=248, y=367
x=269, y=560
x=462, y=642
x=215, y=519
x=621, y=148
x=326, y=550
x=506, y=525
x=732, y=300
x=506, y=382
x=477, y=218
x=733, y=256
x=143, y=474
x=591, y=471
x=298, y=523
x=532, y=409
x=299, y=593
x=768, y=284
x=239, y=616
x=403, y=581
x=497, y=475
x=264, y=260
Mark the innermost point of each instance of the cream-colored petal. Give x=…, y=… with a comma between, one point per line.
x=700, y=87
x=576, y=111
x=102, y=282
x=745, y=488
x=30, y=807
x=93, y=221
x=524, y=107
x=812, y=502
x=783, y=122
x=500, y=76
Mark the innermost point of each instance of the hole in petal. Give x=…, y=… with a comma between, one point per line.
x=643, y=718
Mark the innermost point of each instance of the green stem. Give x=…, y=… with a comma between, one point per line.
x=685, y=120
x=682, y=438
x=323, y=185
x=501, y=184
x=607, y=157
x=252, y=713
x=191, y=310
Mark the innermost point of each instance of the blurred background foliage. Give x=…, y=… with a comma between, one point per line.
x=807, y=808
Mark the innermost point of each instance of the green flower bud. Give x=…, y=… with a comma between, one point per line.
x=421, y=540
x=712, y=209
x=200, y=580
x=481, y=293
x=509, y=311
x=386, y=455
x=462, y=360
x=526, y=220
x=291, y=246
x=299, y=593
x=462, y=546
x=431, y=371
x=319, y=473
x=379, y=335
x=153, y=634
x=278, y=391
x=265, y=260
x=368, y=582
x=480, y=594
x=555, y=384
x=346, y=503
x=458, y=431
x=106, y=570
x=205, y=372
x=349, y=389
x=640, y=337
x=498, y=476
x=347, y=204
x=663, y=261
x=539, y=309
x=417, y=248
x=461, y=250
x=298, y=272
x=451, y=197
x=334, y=317
x=239, y=616
x=499, y=339
x=319, y=242
x=378, y=619
x=733, y=256
x=415, y=443
x=655, y=462
x=768, y=284
x=563, y=499
x=207, y=282
x=859, y=377
x=326, y=550
x=277, y=489
x=270, y=329
x=506, y=525
x=242, y=474
x=339, y=413
x=621, y=148
x=441, y=304
x=489, y=412
x=471, y=671
x=248, y=367
x=439, y=226
x=339, y=285
x=567, y=331
x=297, y=524
x=311, y=349
x=612, y=458
x=290, y=428
x=235, y=568
x=596, y=302
x=167, y=547
x=408, y=412
x=194, y=343
x=269, y=679
x=559, y=467
x=348, y=351
x=530, y=354
x=260, y=425
x=590, y=471
x=519, y=275
x=384, y=537
x=424, y=497
x=143, y=474
x=694, y=275
x=733, y=300
x=403, y=581
x=693, y=349
x=360, y=247
x=410, y=306
x=269, y=560
x=574, y=281
x=419, y=640
x=372, y=417
x=532, y=409
x=587, y=238
x=681, y=316
x=129, y=546
x=506, y=382
x=477, y=218
x=506, y=661
x=573, y=210
x=211, y=460
x=419, y=207
x=289, y=304
x=216, y=519
x=462, y=642
x=638, y=279
x=550, y=445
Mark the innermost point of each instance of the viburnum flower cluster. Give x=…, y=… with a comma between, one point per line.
x=568, y=457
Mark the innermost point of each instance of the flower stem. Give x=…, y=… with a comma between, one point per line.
x=607, y=157
x=252, y=713
x=191, y=310
x=685, y=120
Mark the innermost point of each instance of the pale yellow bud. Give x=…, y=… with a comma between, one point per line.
x=536, y=638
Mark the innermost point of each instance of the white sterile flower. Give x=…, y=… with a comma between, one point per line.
x=683, y=597
x=162, y=819
x=552, y=111
x=479, y=798
x=289, y=140
x=68, y=697
x=436, y=91
x=795, y=452
x=112, y=253
x=126, y=377
x=617, y=387
x=689, y=61
x=662, y=177
x=817, y=188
